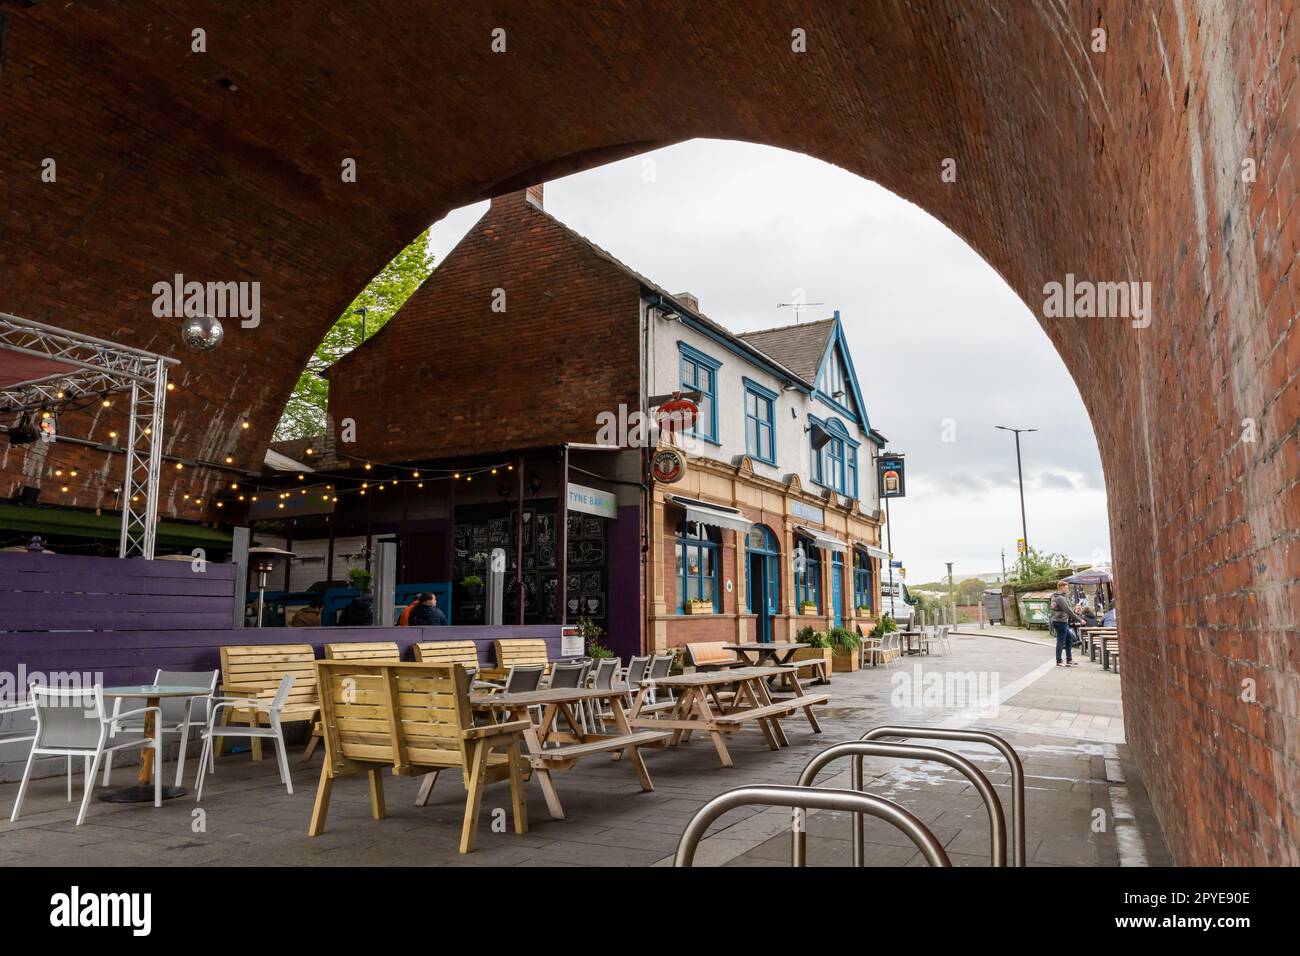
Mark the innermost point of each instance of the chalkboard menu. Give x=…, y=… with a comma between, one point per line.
x=480, y=528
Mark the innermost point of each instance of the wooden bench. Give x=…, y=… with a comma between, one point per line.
x=814, y=664
x=363, y=651
x=514, y=651
x=1109, y=649
x=255, y=671
x=413, y=718
x=1093, y=637
x=712, y=656
x=781, y=708
x=464, y=653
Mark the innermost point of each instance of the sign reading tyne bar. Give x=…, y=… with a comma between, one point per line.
x=893, y=483
x=592, y=502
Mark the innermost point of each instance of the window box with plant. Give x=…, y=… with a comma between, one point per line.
x=846, y=649
x=696, y=606
x=818, y=649
x=808, y=607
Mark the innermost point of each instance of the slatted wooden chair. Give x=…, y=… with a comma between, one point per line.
x=516, y=651
x=464, y=653
x=255, y=670
x=363, y=651
x=712, y=656
x=413, y=718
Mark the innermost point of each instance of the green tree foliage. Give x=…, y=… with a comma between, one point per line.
x=304, y=415
x=1039, y=566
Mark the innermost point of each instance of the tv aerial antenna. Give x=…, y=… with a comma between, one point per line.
x=798, y=307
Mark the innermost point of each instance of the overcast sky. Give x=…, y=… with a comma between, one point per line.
x=936, y=334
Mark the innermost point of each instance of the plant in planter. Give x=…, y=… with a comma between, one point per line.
x=807, y=607
x=360, y=579
x=845, y=648
x=696, y=606
x=591, y=633
x=884, y=626
x=473, y=584
x=679, y=661
x=818, y=648
x=863, y=610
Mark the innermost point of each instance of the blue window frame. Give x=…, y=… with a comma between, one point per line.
x=760, y=422
x=861, y=580
x=808, y=580
x=697, y=565
x=835, y=465
x=699, y=372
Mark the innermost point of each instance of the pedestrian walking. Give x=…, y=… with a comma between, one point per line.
x=1061, y=617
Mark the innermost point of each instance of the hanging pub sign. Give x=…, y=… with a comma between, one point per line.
x=893, y=482
x=667, y=465
x=676, y=412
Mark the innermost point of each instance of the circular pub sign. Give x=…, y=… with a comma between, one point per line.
x=677, y=414
x=667, y=465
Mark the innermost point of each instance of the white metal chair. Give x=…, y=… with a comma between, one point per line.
x=943, y=639
x=178, y=714
x=71, y=722
x=274, y=732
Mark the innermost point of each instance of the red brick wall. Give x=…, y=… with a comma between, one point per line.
x=448, y=375
x=1117, y=165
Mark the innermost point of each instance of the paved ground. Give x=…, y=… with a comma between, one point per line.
x=1085, y=805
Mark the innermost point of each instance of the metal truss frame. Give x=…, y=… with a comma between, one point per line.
x=100, y=367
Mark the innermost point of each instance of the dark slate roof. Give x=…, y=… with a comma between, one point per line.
x=798, y=347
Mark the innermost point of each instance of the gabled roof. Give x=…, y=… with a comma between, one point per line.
x=799, y=348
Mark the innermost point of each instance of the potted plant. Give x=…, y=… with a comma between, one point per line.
x=807, y=607
x=846, y=648
x=591, y=633
x=360, y=579
x=818, y=648
x=697, y=606
x=473, y=584
x=863, y=611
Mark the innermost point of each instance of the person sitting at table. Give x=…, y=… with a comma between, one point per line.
x=1090, y=617
x=426, y=611
x=1108, y=619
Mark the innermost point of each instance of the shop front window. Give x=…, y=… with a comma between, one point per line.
x=807, y=573
x=861, y=580
x=697, y=565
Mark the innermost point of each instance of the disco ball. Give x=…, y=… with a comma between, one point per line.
x=202, y=333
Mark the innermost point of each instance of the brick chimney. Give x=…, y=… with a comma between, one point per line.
x=533, y=194
x=688, y=299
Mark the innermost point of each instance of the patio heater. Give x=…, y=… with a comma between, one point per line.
x=263, y=559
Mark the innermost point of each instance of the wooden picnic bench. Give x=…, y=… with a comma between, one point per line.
x=413, y=718
x=780, y=654
x=1093, y=638
x=552, y=748
x=750, y=701
x=512, y=651
x=255, y=671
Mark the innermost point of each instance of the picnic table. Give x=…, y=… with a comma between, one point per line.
x=908, y=636
x=143, y=791
x=551, y=748
x=772, y=654
x=721, y=702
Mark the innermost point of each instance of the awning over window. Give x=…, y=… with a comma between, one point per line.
x=720, y=516
x=876, y=552
x=824, y=540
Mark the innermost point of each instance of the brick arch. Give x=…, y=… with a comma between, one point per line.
x=1123, y=165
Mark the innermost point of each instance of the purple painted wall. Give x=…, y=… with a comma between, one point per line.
x=122, y=620
x=624, y=570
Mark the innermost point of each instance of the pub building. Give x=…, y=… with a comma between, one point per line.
x=514, y=403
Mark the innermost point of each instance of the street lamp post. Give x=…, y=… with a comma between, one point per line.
x=1024, y=528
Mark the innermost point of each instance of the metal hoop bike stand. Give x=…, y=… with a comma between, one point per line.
x=971, y=736
x=863, y=748
x=814, y=798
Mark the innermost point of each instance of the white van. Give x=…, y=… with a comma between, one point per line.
x=894, y=602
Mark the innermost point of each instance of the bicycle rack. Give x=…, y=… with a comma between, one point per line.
x=862, y=748
x=814, y=798
x=971, y=736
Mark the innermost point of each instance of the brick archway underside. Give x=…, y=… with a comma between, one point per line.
x=1122, y=165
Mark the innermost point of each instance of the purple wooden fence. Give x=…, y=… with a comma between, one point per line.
x=60, y=592
x=122, y=620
